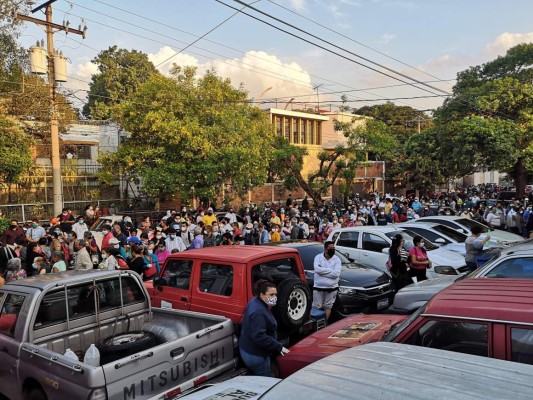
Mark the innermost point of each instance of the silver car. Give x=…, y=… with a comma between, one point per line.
x=515, y=261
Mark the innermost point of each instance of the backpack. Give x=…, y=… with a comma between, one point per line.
x=122, y=264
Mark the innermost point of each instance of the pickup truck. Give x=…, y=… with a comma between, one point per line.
x=144, y=352
x=484, y=317
x=220, y=281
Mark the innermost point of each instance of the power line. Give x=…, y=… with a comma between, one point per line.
x=358, y=42
x=343, y=49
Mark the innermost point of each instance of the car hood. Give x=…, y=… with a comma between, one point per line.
x=442, y=256
x=503, y=237
x=413, y=296
x=349, y=332
x=458, y=248
x=356, y=275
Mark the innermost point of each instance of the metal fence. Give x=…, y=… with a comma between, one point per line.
x=45, y=211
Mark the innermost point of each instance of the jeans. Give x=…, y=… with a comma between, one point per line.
x=258, y=365
x=472, y=265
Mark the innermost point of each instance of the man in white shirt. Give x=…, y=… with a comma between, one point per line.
x=173, y=241
x=80, y=227
x=327, y=268
x=231, y=216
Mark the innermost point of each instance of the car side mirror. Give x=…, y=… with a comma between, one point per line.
x=159, y=283
x=440, y=241
x=385, y=250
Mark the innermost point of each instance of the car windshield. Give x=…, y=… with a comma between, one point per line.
x=399, y=329
x=469, y=223
x=408, y=236
x=451, y=233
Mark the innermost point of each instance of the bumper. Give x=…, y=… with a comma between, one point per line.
x=350, y=304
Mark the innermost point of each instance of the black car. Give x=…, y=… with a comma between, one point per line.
x=361, y=288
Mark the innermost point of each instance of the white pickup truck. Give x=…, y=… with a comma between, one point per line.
x=145, y=352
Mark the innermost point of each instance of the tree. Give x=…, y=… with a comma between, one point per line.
x=338, y=165
x=15, y=152
x=120, y=73
x=189, y=135
x=488, y=122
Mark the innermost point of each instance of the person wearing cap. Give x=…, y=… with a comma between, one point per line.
x=174, y=241
x=209, y=217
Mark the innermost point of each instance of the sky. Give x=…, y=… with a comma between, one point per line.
x=426, y=40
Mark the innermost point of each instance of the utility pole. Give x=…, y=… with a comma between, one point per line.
x=54, y=124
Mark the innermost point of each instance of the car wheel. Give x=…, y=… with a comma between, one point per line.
x=294, y=303
x=125, y=344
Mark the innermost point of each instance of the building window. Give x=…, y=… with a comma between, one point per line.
x=311, y=132
x=304, y=131
x=278, y=126
x=83, y=152
x=295, y=130
x=288, y=129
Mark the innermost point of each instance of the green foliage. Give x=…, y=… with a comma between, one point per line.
x=120, y=72
x=488, y=122
x=15, y=150
x=192, y=135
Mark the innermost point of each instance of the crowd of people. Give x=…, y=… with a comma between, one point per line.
x=67, y=243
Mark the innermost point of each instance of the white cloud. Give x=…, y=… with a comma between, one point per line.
x=505, y=41
x=387, y=37
x=86, y=70
x=167, y=57
x=298, y=5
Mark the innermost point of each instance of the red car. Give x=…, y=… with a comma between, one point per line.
x=484, y=317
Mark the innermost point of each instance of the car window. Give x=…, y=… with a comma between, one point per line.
x=216, y=279
x=10, y=313
x=275, y=270
x=373, y=242
x=469, y=223
x=522, y=345
x=427, y=234
x=513, y=268
x=348, y=239
x=177, y=274
x=83, y=300
x=462, y=337
x=451, y=233
x=335, y=236
x=308, y=254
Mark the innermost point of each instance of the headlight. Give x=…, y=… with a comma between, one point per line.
x=347, y=290
x=445, y=270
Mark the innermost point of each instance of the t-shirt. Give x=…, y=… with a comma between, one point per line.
x=421, y=257
x=60, y=265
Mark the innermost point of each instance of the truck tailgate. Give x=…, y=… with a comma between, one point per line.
x=196, y=348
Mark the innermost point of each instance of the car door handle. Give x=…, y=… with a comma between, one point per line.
x=177, y=352
x=183, y=298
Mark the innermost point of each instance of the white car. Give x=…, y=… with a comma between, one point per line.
x=443, y=236
x=96, y=228
x=370, y=245
x=463, y=224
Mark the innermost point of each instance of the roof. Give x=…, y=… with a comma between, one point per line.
x=500, y=299
x=393, y=371
x=525, y=247
x=45, y=282
x=237, y=254
x=385, y=228
x=79, y=139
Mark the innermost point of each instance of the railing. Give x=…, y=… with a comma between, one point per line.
x=45, y=211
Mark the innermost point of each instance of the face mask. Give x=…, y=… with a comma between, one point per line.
x=150, y=251
x=247, y=231
x=105, y=232
x=158, y=236
x=57, y=232
x=331, y=252
x=104, y=256
x=209, y=213
x=80, y=221
x=311, y=231
x=35, y=266
x=215, y=229
x=172, y=237
x=14, y=226
x=116, y=246
x=161, y=249
x=34, y=226
x=271, y=301
x=422, y=244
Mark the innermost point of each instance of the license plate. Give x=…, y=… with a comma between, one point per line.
x=383, y=303
x=232, y=394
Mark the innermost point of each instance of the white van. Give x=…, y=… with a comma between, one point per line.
x=370, y=245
